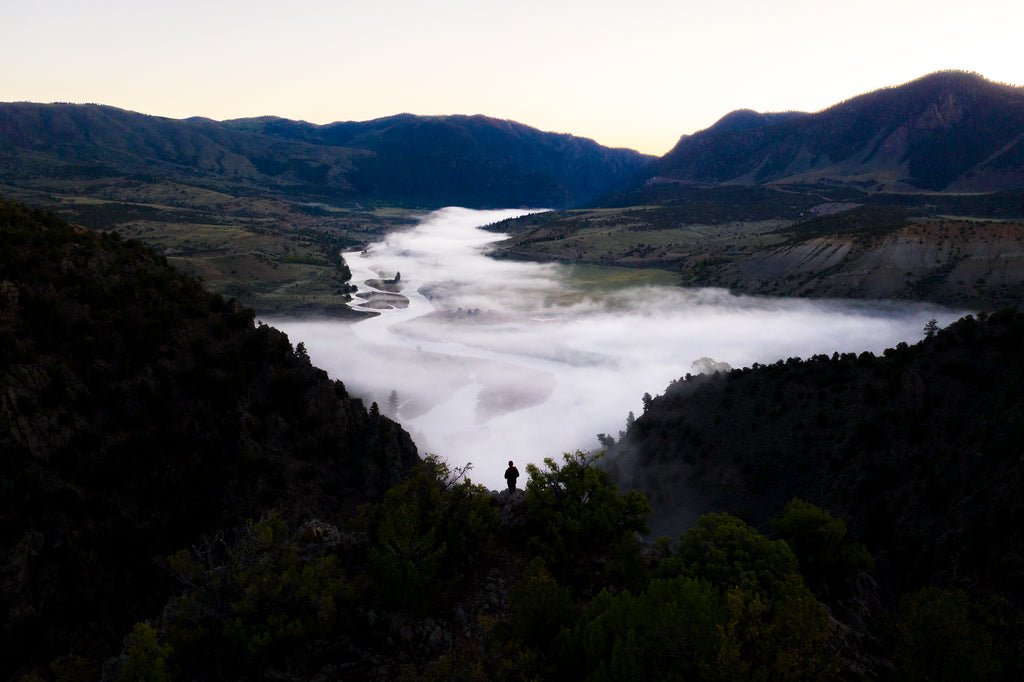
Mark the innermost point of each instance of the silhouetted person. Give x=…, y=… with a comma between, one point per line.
x=511, y=474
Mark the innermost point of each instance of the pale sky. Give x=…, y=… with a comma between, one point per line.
x=632, y=74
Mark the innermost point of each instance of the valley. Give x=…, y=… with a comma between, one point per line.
x=260, y=378
x=477, y=347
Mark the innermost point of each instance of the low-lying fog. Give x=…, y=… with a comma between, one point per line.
x=497, y=360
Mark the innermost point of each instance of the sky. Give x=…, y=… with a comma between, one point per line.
x=636, y=74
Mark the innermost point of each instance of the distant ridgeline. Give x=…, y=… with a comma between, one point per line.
x=137, y=412
x=423, y=162
x=949, y=131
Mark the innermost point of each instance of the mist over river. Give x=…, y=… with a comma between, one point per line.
x=495, y=360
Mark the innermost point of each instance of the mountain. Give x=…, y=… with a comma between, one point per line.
x=406, y=160
x=138, y=413
x=441, y=160
x=791, y=203
x=948, y=131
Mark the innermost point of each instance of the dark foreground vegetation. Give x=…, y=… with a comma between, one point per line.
x=138, y=411
x=444, y=580
x=186, y=497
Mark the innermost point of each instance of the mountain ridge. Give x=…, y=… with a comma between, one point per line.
x=420, y=162
x=949, y=130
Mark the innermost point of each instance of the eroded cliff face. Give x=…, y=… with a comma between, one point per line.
x=139, y=412
x=952, y=262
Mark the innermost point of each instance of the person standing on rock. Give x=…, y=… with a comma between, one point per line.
x=511, y=474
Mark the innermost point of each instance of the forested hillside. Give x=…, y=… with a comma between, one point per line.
x=137, y=412
x=918, y=450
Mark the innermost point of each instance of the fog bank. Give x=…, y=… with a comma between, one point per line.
x=497, y=360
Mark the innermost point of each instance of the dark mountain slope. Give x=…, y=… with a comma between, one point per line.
x=745, y=120
x=946, y=131
x=68, y=141
x=919, y=450
x=438, y=160
x=137, y=412
x=418, y=162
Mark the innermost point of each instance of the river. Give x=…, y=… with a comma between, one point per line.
x=495, y=360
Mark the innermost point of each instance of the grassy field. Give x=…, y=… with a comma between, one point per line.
x=611, y=278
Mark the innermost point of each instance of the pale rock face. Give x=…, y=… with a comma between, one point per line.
x=942, y=115
x=955, y=258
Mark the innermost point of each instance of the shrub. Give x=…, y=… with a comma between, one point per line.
x=818, y=541
x=575, y=511
x=254, y=600
x=426, y=532
x=769, y=624
x=147, y=658
x=945, y=635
